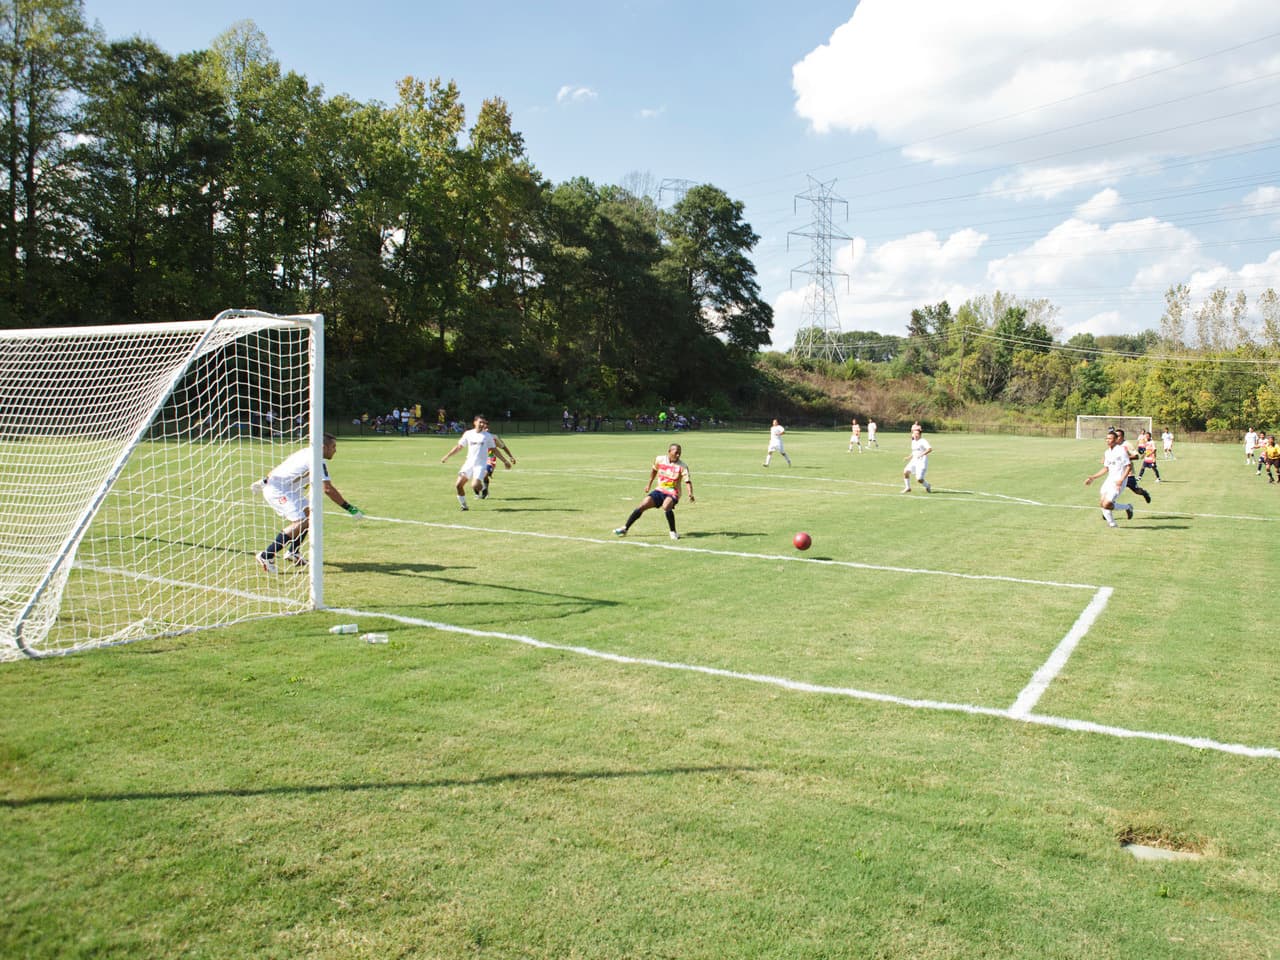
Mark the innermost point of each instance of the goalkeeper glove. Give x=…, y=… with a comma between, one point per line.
x=355, y=511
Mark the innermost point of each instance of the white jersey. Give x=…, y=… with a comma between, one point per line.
x=920, y=449
x=1167, y=437
x=1250, y=441
x=294, y=473
x=477, y=443
x=775, y=437
x=1116, y=460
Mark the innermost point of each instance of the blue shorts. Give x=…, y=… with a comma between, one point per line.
x=659, y=497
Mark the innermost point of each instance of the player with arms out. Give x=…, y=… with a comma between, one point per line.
x=477, y=441
x=1117, y=466
x=917, y=460
x=669, y=471
x=285, y=489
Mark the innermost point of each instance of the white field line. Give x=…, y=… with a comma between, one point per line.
x=1034, y=690
x=984, y=497
x=645, y=545
x=1080, y=726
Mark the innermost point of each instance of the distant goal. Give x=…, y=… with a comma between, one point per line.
x=1089, y=427
x=126, y=458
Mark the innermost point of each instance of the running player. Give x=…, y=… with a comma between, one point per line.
x=1117, y=466
x=775, y=443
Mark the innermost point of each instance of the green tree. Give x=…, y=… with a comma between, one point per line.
x=154, y=141
x=46, y=53
x=707, y=258
x=1173, y=323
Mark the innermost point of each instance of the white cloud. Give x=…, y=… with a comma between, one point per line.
x=1084, y=255
x=652, y=113
x=1264, y=198
x=571, y=94
x=1099, y=324
x=1046, y=183
x=1103, y=205
x=1006, y=81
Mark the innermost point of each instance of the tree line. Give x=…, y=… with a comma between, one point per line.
x=1207, y=368
x=140, y=186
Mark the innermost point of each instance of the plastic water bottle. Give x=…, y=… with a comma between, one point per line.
x=345, y=628
x=374, y=637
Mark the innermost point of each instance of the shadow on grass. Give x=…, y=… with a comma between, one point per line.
x=480, y=585
x=567, y=776
x=489, y=508
x=390, y=569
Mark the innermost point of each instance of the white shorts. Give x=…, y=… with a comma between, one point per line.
x=292, y=506
x=775, y=446
x=918, y=467
x=1110, y=492
x=475, y=474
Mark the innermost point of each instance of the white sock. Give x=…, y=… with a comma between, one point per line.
x=1109, y=516
x=462, y=499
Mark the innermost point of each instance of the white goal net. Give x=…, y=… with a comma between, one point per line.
x=1091, y=427
x=126, y=459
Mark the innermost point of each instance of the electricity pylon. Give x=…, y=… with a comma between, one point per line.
x=819, y=334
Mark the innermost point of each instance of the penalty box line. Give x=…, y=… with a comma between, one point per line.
x=1063, y=723
x=1026, y=699
x=638, y=544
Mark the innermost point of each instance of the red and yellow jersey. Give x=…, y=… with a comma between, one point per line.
x=669, y=475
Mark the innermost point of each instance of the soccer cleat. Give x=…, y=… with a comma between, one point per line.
x=620, y=532
x=1111, y=523
x=484, y=494
x=1128, y=511
x=674, y=535
x=463, y=505
x=266, y=563
x=1145, y=496
x=906, y=489
x=928, y=489
x=297, y=559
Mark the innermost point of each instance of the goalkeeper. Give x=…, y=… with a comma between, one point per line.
x=285, y=488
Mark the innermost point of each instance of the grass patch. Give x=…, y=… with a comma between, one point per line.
x=274, y=790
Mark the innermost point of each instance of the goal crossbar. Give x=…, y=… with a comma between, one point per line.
x=1095, y=426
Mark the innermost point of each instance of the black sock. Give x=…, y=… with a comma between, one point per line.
x=276, y=545
x=671, y=520
x=635, y=515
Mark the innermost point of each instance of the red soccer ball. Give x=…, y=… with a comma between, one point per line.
x=802, y=541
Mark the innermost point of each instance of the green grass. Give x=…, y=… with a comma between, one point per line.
x=273, y=790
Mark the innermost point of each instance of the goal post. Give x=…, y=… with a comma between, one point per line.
x=1092, y=427
x=126, y=458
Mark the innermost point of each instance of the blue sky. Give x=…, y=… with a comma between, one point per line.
x=1090, y=153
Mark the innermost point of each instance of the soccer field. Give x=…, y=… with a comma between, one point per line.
x=926, y=736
